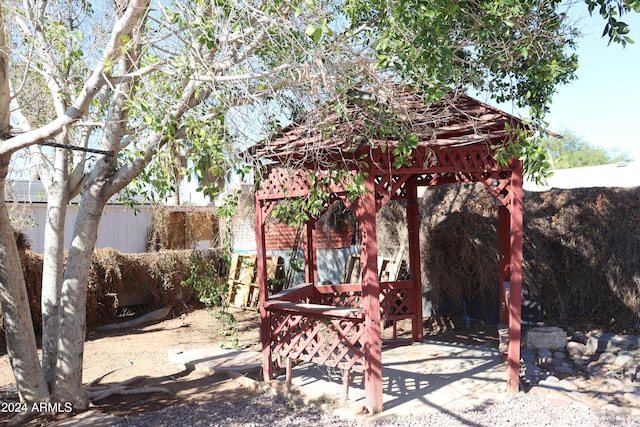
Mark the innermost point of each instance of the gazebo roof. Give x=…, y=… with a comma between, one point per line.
x=372, y=119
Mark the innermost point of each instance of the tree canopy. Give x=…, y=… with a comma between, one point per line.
x=573, y=151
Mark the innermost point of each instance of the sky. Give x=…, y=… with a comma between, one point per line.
x=603, y=105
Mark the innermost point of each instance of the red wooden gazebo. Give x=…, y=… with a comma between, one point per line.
x=339, y=325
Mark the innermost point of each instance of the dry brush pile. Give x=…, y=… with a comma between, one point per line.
x=122, y=285
x=581, y=252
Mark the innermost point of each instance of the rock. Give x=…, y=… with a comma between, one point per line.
x=145, y=319
x=632, y=398
x=612, y=407
x=630, y=376
x=539, y=391
x=548, y=362
x=612, y=385
x=564, y=369
x=612, y=342
x=530, y=373
x=567, y=385
x=547, y=337
x=606, y=358
x=214, y=360
x=595, y=371
x=528, y=355
x=553, y=392
x=559, y=355
x=601, y=400
x=580, y=362
x=632, y=373
x=624, y=358
x=576, y=349
x=544, y=353
x=579, y=337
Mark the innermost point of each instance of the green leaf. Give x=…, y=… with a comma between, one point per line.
x=317, y=35
x=310, y=30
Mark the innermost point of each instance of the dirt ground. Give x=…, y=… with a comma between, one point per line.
x=143, y=352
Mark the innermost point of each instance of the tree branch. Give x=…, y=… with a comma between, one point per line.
x=130, y=19
x=5, y=96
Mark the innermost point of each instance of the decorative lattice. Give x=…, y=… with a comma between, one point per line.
x=397, y=301
x=499, y=184
x=342, y=299
x=325, y=340
x=467, y=158
x=333, y=338
x=389, y=186
x=279, y=183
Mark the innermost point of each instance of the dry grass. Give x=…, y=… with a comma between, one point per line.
x=581, y=252
x=119, y=281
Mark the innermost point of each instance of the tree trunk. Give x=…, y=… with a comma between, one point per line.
x=73, y=317
x=14, y=303
x=53, y=263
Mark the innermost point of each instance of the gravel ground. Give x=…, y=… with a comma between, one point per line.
x=266, y=410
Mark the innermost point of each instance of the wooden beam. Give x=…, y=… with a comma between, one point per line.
x=261, y=261
x=315, y=309
x=504, y=257
x=413, y=228
x=515, y=298
x=310, y=265
x=366, y=214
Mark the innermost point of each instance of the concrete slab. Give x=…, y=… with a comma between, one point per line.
x=418, y=378
x=90, y=419
x=215, y=360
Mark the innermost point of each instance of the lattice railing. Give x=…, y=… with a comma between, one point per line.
x=343, y=296
x=325, y=324
x=329, y=340
x=397, y=300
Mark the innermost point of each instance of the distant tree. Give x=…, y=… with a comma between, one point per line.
x=572, y=151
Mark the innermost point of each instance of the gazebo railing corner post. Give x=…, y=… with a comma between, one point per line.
x=413, y=223
x=366, y=213
x=515, y=296
x=261, y=273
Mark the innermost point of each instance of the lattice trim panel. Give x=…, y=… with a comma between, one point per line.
x=397, y=302
x=467, y=158
x=342, y=299
x=499, y=184
x=389, y=186
x=279, y=183
x=328, y=341
x=438, y=159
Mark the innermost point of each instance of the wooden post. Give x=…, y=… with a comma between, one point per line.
x=261, y=264
x=504, y=257
x=310, y=265
x=515, y=298
x=366, y=214
x=413, y=228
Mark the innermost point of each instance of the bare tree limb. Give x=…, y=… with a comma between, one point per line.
x=130, y=19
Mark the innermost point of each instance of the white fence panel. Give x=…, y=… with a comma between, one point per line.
x=120, y=228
